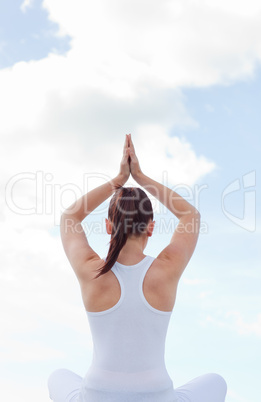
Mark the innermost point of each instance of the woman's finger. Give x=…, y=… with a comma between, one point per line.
x=131, y=143
x=126, y=155
x=125, y=143
x=128, y=139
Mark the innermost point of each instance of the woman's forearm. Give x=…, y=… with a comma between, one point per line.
x=173, y=201
x=91, y=200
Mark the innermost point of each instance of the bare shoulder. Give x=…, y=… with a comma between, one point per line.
x=161, y=270
x=160, y=286
x=163, y=262
x=176, y=255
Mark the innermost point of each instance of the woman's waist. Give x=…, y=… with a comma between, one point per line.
x=152, y=380
x=94, y=395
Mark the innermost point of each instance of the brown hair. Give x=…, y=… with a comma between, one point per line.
x=130, y=211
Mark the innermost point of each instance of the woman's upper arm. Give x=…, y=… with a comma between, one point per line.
x=182, y=245
x=76, y=246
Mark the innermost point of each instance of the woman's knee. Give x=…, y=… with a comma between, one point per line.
x=56, y=380
x=219, y=381
x=64, y=385
x=56, y=375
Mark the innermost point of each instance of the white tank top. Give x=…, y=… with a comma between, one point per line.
x=129, y=346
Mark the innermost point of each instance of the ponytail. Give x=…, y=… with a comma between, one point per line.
x=129, y=211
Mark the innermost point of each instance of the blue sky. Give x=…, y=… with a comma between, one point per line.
x=27, y=35
x=71, y=87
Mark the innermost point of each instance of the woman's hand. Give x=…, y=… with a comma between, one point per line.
x=129, y=163
x=125, y=162
x=134, y=163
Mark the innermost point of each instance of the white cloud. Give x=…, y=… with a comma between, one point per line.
x=38, y=290
x=117, y=78
x=233, y=320
x=235, y=396
x=26, y=4
x=15, y=391
x=206, y=294
x=171, y=43
x=193, y=282
x=250, y=8
x=123, y=52
x=18, y=351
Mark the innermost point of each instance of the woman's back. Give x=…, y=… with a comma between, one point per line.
x=159, y=286
x=129, y=344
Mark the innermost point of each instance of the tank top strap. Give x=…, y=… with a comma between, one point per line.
x=133, y=272
x=130, y=277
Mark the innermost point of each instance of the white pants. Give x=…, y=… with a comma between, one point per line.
x=64, y=386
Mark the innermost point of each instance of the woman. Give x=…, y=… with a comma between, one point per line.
x=129, y=296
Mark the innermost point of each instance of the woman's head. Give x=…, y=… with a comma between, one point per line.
x=130, y=212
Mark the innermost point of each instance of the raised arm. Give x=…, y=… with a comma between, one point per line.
x=183, y=242
x=74, y=240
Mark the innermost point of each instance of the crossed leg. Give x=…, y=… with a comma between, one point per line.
x=206, y=388
x=64, y=386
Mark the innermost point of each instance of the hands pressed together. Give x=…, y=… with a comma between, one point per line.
x=129, y=163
